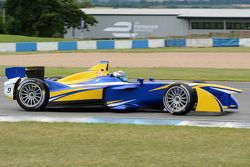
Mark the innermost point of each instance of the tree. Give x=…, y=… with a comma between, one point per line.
x=2, y=27
x=52, y=22
x=46, y=18
x=86, y=4
x=1, y=4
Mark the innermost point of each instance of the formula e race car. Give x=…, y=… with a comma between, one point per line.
x=34, y=92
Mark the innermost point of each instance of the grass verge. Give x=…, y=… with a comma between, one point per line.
x=64, y=144
x=19, y=38
x=207, y=74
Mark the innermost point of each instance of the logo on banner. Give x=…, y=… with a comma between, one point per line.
x=129, y=29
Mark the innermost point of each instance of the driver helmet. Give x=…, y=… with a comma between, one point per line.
x=121, y=75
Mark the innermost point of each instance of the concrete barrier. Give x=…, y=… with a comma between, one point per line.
x=26, y=46
x=199, y=42
x=245, y=42
x=175, y=43
x=64, y=46
x=7, y=47
x=122, y=44
x=83, y=45
x=105, y=44
x=156, y=43
x=226, y=42
x=47, y=46
x=137, y=44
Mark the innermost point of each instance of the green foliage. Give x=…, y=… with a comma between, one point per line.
x=19, y=38
x=51, y=21
x=86, y=4
x=1, y=4
x=2, y=27
x=45, y=18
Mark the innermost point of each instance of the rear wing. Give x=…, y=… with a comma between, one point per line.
x=21, y=72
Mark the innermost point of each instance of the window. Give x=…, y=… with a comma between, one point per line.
x=219, y=26
x=207, y=25
x=238, y=25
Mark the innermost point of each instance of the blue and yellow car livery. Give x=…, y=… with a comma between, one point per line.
x=99, y=87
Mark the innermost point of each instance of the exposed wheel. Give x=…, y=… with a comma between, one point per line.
x=32, y=94
x=179, y=99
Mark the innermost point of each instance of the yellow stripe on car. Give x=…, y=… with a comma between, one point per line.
x=160, y=88
x=61, y=92
x=85, y=95
x=115, y=101
x=218, y=86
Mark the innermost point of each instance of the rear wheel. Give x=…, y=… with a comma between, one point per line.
x=32, y=94
x=179, y=99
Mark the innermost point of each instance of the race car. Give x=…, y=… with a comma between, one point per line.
x=34, y=92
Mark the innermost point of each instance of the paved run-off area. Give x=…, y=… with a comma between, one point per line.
x=163, y=59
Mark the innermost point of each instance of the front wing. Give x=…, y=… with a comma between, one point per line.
x=215, y=98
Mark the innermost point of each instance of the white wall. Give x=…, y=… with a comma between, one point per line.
x=156, y=43
x=123, y=44
x=7, y=47
x=245, y=42
x=199, y=42
x=81, y=45
x=47, y=46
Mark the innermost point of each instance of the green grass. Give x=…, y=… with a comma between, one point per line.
x=77, y=145
x=19, y=38
x=206, y=74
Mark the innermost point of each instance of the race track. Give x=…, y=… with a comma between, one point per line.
x=11, y=108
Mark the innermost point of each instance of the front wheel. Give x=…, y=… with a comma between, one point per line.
x=32, y=94
x=179, y=99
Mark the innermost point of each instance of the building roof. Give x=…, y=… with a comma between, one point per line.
x=181, y=13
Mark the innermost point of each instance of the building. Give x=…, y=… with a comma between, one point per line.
x=162, y=23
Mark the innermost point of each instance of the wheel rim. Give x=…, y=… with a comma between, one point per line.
x=176, y=99
x=31, y=95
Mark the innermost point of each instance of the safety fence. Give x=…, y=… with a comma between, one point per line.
x=123, y=44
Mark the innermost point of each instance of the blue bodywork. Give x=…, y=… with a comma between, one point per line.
x=135, y=96
x=127, y=95
x=119, y=95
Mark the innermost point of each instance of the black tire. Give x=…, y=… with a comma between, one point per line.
x=32, y=94
x=179, y=99
x=198, y=81
x=55, y=78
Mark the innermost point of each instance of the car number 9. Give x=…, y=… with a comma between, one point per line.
x=8, y=90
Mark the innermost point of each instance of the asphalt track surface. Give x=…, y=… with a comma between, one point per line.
x=11, y=108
